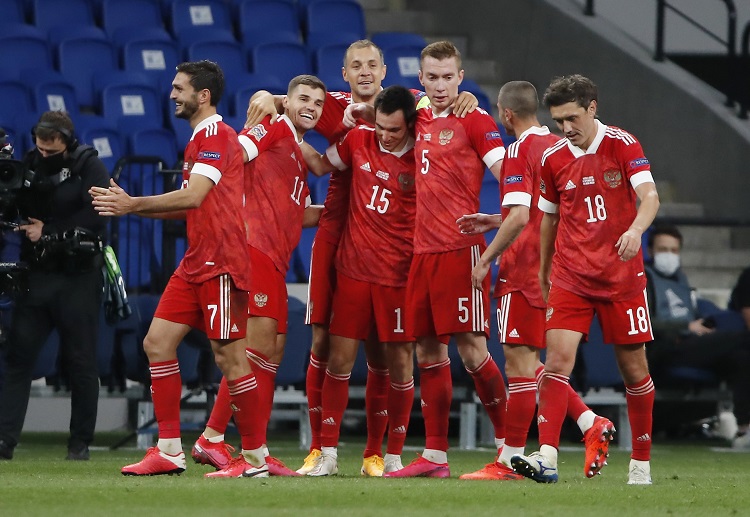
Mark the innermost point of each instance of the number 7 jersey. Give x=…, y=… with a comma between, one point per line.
x=594, y=191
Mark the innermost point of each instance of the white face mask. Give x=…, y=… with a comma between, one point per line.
x=666, y=263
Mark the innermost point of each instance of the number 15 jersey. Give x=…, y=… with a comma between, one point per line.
x=594, y=191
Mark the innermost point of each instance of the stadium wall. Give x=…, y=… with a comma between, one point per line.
x=698, y=148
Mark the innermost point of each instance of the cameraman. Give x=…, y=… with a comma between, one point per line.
x=64, y=283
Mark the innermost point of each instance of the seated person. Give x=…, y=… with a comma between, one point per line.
x=683, y=337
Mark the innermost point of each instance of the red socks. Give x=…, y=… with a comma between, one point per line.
x=376, y=409
x=553, y=405
x=490, y=386
x=521, y=408
x=437, y=392
x=166, y=388
x=640, y=399
x=243, y=393
x=400, y=401
x=316, y=373
x=335, y=400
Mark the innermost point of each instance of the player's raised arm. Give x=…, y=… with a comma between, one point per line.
x=263, y=104
x=317, y=163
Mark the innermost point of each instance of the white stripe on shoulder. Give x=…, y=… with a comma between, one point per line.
x=619, y=134
x=563, y=142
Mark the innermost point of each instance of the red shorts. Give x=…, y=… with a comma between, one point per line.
x=518, y=322
x=216, y=306
x=361, y=307
x=440, y=299
x=623, y=323
x=322, y=282
x=268, y=295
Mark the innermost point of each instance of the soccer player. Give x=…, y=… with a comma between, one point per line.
x=208, y=290
x=277, y=205
x=451, y=155
x=591, y=262
x=520, y=312
x=372, y=264
x=364, y=70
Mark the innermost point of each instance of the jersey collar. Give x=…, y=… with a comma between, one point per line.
x=443, y=114
x=398, y=154
x=600, y=130
x=289, y=123
x=205, y=123
x=535, y=130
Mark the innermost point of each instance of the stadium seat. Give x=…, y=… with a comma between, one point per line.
x=283, y=60
x=23, y=52
x=305, y=251
x=60, y=33
x=471, y=86
x=153, y=58
x=386, y=40
x=182, y=130
x=55, y=96
x=158, y=142
x=317, y=140
x=321, y=39
x=403, y=66
x=49, y=14
x=22, y=30
x=320, y=189
x=99, y=133
x=132, y=106
x=190, y=14
x=200, y=34
x=329, y=60
x=335, y=16
x=229, y=55
x=13, y=12
x=267, y=21
x=127, y=34
x=16, y=100
x=80, y=60
x=293, y=367
x=599, y=360
x=130, y=13
x=253, y=83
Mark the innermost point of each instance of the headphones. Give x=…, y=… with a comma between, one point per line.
x=68, y=137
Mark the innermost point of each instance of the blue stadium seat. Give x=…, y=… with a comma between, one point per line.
x=182, y=130
x=22, y=31
x=132, y=107
x=153, y=58
x=329, y=60
x=80, y=60
x=599, y=358
x=13, y=12
x=130, y=13
x=155, y=142
x=386, y=40
x=283, y=60
x=229, y=55
x=100, y=134
x=128, y=34
x=304, y=248
x=251, y=84
x=49, y=13
x=403, y=66
x=317, y=40
x=267, y=21
x=189, y=37
x=190, y=14
x=60, y=33
x=55, y=96
x=23, y=52
x=320, y=189
x=335, y=15
x=16, y=100
x=317, y=140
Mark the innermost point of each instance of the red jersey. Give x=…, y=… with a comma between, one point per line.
x=216, y=231
x=451, y=155
x=276, y=189
x=594, y=191
x=377, y=242
x=337, y=199
x=519, y=185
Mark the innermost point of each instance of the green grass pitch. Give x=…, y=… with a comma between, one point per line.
x=688, y=480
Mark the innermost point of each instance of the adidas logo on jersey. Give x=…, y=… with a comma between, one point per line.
x=513, y=333
x=541, y=420
x=234, y=328
x=644, y=438
x=366, y=167
x=400, y=429
x=316, y=409
x=570, y=185
x=329, y=421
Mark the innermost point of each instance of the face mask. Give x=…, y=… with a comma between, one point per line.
x=51, y=164
x=666, y=263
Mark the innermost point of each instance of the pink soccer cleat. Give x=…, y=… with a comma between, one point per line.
x=156, y=463
x=218, y=455
x=276, y=467
x=421, y=468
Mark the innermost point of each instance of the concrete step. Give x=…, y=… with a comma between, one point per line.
x=677, y=209
x=421, y=22
x=461, y=42
x=716, y=259
x=706, y=237
x=702, y=278
x=481, y=70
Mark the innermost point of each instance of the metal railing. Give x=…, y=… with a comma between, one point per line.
x=730, y=43
x=744, y=62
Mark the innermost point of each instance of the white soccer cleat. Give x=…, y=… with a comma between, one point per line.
x=325, y=465
x=393, y=465
x=535, y=466
x=639, y=473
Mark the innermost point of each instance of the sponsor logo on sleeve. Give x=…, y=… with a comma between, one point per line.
x=542, y=187
x=257, y=132
x=492, y=135
x=209, y=155
x=638, y=162
x=513, y=179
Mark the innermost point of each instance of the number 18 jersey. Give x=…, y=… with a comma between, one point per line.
x=594, y=191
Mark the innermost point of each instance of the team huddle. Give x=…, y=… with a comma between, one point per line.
x=400, y=262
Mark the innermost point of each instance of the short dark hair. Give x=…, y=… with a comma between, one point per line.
x=53, y=125
x=308, y=80
x=571, y=88
x=520, y=97
x=363, y=43
x=441, y=50
x=395, y=98
x=205, y=75
x=663, y=229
